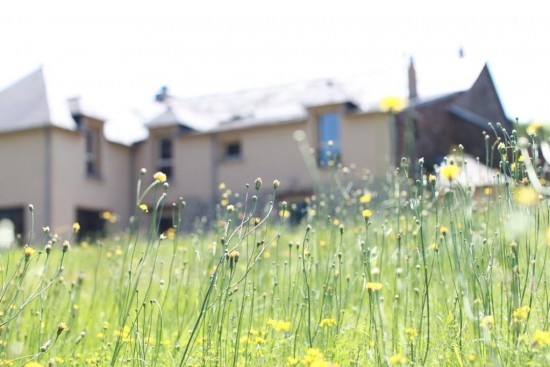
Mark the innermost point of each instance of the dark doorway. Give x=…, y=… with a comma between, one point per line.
x=92, y=225
x=17, y=216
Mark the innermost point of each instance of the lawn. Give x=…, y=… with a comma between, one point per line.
x=419, y=272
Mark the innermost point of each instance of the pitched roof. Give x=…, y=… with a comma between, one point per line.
x=263, y=106
x=26, y=104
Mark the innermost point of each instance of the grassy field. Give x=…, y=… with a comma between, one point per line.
x=416, y=274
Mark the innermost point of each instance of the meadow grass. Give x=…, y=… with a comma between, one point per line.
x=423, y=272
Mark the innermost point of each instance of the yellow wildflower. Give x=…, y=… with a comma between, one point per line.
x=284, y=213
x=291, y=361
x=367, y=213
x=443, y=231
x=431, y=179
x=144, y=208
x=259, y=340
x=327, y=323
x=541, y=338
x=365, y=198
x=398, y=359
x=411, y=333
x=526, y=196
x=160, y=177
x=28, y=251
x=392, y=104
x=279, y=326
x=521, y=314
x=373, y=287
x=534, y=128
x=222, y=186
x=76, y=227
x=450, y=172
x=313, y=358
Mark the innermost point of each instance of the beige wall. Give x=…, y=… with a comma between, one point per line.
x=22, y=163
x=72, y=188
x=267, y=152
x=366, y=142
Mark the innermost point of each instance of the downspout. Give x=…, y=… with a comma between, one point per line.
x=214, y=170
x=47, y=176
x=133, y=180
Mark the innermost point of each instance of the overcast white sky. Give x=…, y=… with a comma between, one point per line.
x=117, y=54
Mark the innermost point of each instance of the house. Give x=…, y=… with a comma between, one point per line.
x=432, y=127
x=56, y=154
x=234, y=138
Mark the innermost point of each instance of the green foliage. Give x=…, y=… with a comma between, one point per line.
x=422, y=273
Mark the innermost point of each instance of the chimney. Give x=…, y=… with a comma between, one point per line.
x=413, y=93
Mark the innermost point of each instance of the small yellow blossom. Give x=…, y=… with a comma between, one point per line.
x=33, y=364
x=431, y=179
x=392, y=104
x=541, y=338
x=411, y=333
x=526, y=196
x=109, y=216
x=222, y=186
x=365, y=199
x=534, y=128
x=443, y=231
x=450, y=172
x=373, y=287
x=144, y=208
x=279, y=326
x=488, y=191
x=160, y=177
x=260, y=341
x=224, y=202
x=76, y=227
x=327, y=323
x=521, y=314
x=291, y=361
x=314, y=358
x=367, y=213
x=284, y=213
x=28, y=251
x=398, y=359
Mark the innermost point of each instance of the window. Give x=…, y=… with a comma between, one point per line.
x=165, y=157
x=92, y=152
x=232, y=151
x=329, y=139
